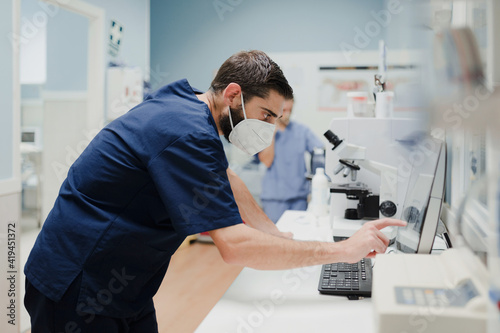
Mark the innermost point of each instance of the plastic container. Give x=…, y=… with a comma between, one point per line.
x=384, y=106
x=357, y=104
x=320, y=193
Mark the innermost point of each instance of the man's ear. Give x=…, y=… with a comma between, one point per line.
x=231, y=95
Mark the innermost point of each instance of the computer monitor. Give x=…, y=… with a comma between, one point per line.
x=31, y=136
x=424, y=196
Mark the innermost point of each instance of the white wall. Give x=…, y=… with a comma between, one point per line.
x=302, y=71
x=191, y=39
x=64, y=140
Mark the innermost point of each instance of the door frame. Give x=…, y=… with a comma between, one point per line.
x=95, y=79
x=95, y=56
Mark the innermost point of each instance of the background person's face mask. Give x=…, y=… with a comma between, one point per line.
x=251, y=135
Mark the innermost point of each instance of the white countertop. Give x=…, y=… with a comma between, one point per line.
x=287, y=300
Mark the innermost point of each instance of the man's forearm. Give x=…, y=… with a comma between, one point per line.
x=250, y=211
x=245, y=246
x=258, y=250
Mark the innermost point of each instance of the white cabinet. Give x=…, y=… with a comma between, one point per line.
x=124, y=90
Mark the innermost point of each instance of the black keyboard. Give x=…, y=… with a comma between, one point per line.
x=343, y=279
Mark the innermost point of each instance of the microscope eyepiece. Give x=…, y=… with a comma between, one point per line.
x=332, y=138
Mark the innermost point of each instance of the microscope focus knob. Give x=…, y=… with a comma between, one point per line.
x=388, y=208
x=351, y=214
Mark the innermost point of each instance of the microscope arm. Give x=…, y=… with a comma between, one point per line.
x=357, y=154
x=388, y=177
x=351, y=152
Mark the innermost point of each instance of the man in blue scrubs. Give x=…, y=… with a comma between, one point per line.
x=149, y=179
x=284, y=185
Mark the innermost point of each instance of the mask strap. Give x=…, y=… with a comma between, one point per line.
x=230, y=118
x=242, y=106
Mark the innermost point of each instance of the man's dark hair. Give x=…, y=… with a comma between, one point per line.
x=256, y=74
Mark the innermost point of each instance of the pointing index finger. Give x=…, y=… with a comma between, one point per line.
x=381, y=224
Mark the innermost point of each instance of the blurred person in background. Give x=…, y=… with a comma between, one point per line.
x=284, y=186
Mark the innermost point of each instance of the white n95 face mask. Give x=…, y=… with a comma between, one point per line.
x=251, y=135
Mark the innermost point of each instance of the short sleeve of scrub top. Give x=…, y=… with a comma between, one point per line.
x=192, y=182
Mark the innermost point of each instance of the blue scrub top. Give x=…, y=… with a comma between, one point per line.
x=286, y=179
x=145, y=182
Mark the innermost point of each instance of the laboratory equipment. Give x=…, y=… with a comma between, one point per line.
x=459, y=78
x=352, y=158
x=479, y=232
x=381, y=76
x=384, y=106
x=357, y=104
x=431, y=293
x=368, y=168
x=423, y=201
x=423, y=206
x=384, y=100
x=368, y=204
x=434, y=293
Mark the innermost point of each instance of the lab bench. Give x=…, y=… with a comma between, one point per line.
x=288, y=300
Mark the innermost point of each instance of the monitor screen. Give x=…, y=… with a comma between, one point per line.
x=28, y=137
x=31, y=136
x=424, y=196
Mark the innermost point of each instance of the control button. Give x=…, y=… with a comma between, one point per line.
x=388, y=208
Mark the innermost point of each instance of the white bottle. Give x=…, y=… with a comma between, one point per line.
x=320, y=193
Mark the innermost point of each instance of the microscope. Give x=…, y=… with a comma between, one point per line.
x=352, y=158
x=369, y=205
x=367, y=169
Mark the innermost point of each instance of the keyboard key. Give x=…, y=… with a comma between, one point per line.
x=328, y=287
x=344, y=288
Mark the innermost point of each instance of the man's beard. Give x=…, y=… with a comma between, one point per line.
x=225, y=124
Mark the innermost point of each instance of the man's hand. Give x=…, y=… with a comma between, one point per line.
x=369, y=240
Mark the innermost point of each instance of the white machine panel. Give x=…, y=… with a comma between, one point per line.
x=430, y=293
